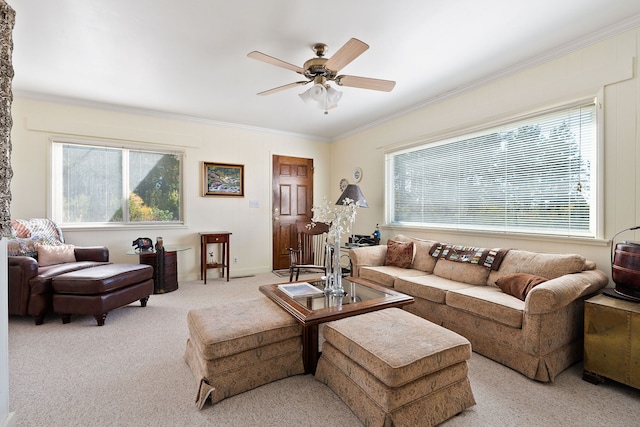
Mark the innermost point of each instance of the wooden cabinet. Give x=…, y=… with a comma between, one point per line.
x=165, y=270
x=612, y=340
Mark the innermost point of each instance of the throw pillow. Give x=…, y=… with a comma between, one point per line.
x=20, y=229
x=58, y=254
x=519, y=284
x=23, y=247
x=399, y=254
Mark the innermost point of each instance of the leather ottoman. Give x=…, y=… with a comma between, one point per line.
x=97, y=290
x=393, y=368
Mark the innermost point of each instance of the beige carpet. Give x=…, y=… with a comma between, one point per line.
x=130, y=372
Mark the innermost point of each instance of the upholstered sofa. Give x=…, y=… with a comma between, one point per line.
x=519, y=308
x=37, y=253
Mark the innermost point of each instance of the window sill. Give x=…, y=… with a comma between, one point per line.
x=492, y=234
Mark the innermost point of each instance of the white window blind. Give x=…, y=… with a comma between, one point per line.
x=535, y=175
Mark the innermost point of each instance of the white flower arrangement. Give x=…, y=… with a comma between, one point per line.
x=339, y=217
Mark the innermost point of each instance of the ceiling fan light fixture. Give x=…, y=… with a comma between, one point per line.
x=320, y=70
x=318, y=92
x=306, y=96
x=333, y=96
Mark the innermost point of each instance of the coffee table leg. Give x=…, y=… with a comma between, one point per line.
x=310, y=348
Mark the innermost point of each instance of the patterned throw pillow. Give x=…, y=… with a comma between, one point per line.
x=399, y=254
x=23, y=247
x=48, y=230
x=20, y=229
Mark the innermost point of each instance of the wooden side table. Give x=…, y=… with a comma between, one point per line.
x=165, y=270
x=221, y=238
x=165, y=267
x=612, y=340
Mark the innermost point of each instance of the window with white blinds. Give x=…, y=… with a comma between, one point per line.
x=535, y=175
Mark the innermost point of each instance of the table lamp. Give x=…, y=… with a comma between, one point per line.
x=354, y=193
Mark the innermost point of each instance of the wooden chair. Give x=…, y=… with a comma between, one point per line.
x=310, y=253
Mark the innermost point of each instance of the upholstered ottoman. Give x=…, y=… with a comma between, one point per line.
x=393, y=368
x=238, y=346
x=98, y=290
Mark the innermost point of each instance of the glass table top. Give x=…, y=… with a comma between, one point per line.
x=153, y=251
x=354, y=293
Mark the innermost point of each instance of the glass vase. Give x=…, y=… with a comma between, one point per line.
x=334, y=270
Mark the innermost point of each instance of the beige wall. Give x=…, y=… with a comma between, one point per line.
x=605, y=69
x=35, y=122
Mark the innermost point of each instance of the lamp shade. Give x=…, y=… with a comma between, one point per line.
x=306, y=96
x=324, y=96
x=354, y=193
x=318, y=92
x=333, y=96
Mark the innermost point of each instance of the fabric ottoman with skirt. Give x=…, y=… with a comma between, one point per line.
x=238, y=346
x=393, y=368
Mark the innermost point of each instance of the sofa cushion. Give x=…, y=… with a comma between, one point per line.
x=101, y=279
x=422, y=260
x=42, y=282
x=550, y=266
x=488, y=302
x=386, y=274
x=430, y=287
x=461, y=272
x=399, y=254
x=55, y=254
x=519, y=284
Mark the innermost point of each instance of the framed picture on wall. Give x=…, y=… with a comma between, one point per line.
x=222, y=179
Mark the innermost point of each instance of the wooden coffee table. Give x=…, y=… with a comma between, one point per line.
x=310, y=311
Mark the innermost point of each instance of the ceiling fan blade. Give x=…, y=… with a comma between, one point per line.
x=347, y=53
x=279, y=88
x=274, y=61
x=366, y=83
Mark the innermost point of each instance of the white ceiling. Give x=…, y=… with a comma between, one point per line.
x=189, y=58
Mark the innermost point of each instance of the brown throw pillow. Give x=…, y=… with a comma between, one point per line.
x=399, y=254
x=519, y=284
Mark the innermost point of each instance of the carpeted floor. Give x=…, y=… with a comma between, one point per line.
x=130, y=372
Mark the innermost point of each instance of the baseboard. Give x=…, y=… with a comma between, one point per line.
x=10, y=421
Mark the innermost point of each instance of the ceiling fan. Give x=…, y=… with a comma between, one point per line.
x=321, y=70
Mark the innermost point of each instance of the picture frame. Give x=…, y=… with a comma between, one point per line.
x=222, y=179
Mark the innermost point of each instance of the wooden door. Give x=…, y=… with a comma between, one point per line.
x=292, y=202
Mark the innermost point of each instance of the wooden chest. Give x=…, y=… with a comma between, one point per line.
x=165, y=270
x=612, y=340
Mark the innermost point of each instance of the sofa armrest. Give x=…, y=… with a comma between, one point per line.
x=367, y=256
x=27, y=265
x=92, y=253
x=21, y=270
x=560, y=292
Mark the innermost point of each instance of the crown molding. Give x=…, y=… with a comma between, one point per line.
x=157, y=114
x=627, y=24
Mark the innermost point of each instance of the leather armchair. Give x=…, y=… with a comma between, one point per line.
x=30, y=292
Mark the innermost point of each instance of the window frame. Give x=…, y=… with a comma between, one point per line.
x=55, y=187
x=596, y=212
